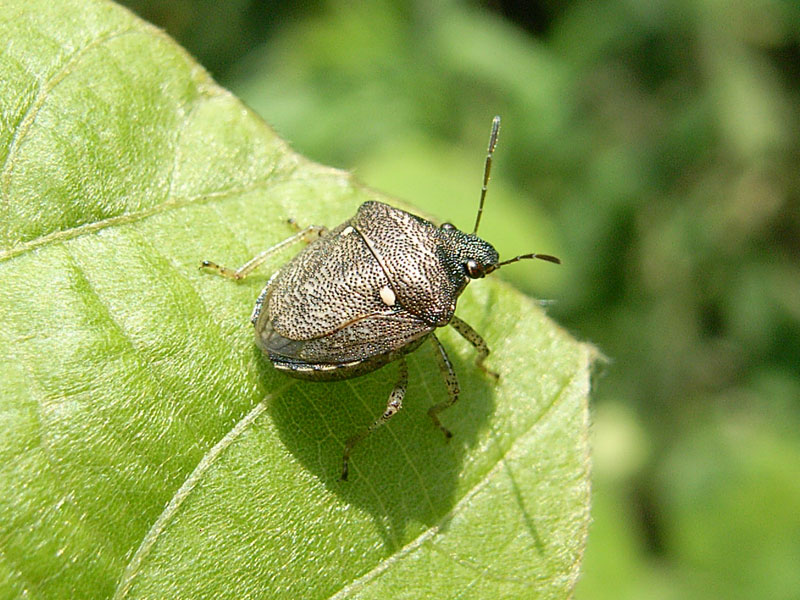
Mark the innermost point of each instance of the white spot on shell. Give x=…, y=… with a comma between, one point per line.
x=387, y=295
x=347, y=230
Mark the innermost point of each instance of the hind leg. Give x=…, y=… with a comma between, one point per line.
x=260, y=258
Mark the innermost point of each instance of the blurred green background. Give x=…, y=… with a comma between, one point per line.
x=654, y=147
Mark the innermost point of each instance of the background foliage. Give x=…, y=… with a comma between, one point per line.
x=654, y=147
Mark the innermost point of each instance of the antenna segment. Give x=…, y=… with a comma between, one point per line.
x=487, y=169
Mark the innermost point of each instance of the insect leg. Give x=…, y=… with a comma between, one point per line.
x=474, y=338
x=258, y=259
x=450, y=381
x=393, y=405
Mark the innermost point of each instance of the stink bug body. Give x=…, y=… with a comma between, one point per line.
x=368, y=292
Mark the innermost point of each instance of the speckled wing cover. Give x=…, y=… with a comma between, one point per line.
x=324, y=306
x=407, y=248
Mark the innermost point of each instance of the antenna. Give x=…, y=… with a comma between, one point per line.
x=488, y=168
x=547, y=257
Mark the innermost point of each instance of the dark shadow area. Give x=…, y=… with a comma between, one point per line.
x=406, y=470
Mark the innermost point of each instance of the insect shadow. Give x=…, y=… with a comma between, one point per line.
x=409, y=471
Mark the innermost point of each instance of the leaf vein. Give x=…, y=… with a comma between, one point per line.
x=132, y=217
x=204, y=309
x=185, y=490
x=33, y=110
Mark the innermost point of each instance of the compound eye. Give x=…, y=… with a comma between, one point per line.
x=447, y=226
x=475, y=269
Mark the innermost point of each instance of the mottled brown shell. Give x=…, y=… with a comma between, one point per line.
x=325, y=305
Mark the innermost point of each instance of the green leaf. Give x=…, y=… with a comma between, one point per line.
x=149, y=450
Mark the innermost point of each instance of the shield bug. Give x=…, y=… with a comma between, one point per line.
x=367, y=293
